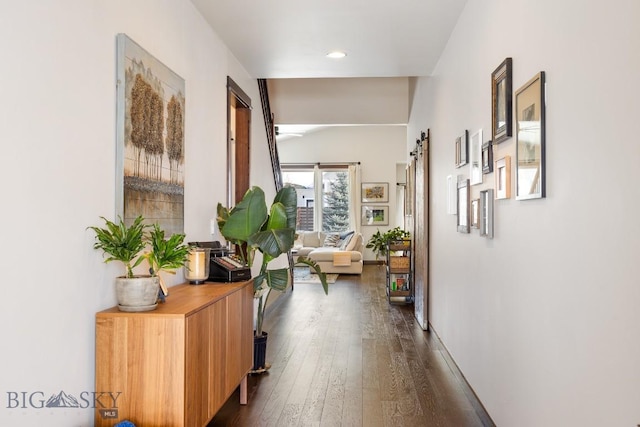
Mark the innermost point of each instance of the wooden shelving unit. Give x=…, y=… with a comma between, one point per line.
x=399, y=284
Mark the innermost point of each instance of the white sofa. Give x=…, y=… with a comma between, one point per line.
x=334, y=252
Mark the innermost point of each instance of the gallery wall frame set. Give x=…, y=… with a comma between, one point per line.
x=501, y=102
x=530, y=139
x=375, y=192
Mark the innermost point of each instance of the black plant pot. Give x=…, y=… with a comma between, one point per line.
x=260, y=352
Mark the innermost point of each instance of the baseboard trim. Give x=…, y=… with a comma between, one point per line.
x=478, y=407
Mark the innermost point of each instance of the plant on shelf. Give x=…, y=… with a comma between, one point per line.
x=121, y=243
x=165, y=254
x=378, y=241
x=127, y=244
x=253, y=227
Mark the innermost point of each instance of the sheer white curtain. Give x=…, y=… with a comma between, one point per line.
x=354, y=197
x=318, y=198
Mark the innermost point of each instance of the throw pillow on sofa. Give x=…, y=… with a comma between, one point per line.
x=354, y=242
x=331, y=241
x=345, y=238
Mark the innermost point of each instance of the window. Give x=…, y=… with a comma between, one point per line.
x=328, y=185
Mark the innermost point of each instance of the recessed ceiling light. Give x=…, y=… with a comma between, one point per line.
x=336, y=54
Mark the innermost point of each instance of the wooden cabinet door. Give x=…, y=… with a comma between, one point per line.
x=217, y=356
x=234, y=342
x=197, y=368
x=143, y=358
x=239, y=332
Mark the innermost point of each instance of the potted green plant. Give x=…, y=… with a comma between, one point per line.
x=378, y=241
x=126, y=244
x=165, y=254
x=253, y=227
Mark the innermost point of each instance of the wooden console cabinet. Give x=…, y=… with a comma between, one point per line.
x=176, y=365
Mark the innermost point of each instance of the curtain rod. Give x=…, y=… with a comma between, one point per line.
x=319, y=164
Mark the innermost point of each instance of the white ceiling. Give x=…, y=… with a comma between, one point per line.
x=290, y=38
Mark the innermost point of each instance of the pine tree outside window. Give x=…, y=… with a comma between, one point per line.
x=330, y=185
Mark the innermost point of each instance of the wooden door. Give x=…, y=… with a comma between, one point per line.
x=421, y=234
x=238, y=142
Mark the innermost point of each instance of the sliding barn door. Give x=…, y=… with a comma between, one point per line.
x=421, y=234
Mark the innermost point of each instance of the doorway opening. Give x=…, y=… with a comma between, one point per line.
x=238, y=142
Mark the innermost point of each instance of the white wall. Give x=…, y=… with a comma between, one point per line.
x=340, y=101
x=543, y=319
x=377, y=148
x=58, y=175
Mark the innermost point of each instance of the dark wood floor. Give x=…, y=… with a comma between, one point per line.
x=351, y=359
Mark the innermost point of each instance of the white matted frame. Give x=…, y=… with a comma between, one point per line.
x=150, y=118
x=475, y=158
x=486, y=213
x=375, y=192
x=475, y=213
x=452, y=182
x=463, y=206
x=530, y=139
x=503, y=178
x=375, y=215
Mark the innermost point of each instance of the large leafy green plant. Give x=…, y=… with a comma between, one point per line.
x=253, y=227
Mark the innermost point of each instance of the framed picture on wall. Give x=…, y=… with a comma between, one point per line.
x=487, y=157
x=475, y=158
x=501, y=102
x=530, y=139
x=375, y=215
x=451, y=194
x=375, y=192
x=503, y=178
x=486, y=213
x=462, y=149
x=475, y=213
x=463, y=206
x=150, y=115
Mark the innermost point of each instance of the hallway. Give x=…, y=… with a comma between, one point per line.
x=351, y=359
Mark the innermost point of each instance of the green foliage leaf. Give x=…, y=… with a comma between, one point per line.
x=246, y=218
x=121, y=242
x=166, y=254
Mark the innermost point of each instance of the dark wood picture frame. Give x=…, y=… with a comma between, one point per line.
x=462, y=149
x=487, y=157
x=501, y=102
x=530, y=139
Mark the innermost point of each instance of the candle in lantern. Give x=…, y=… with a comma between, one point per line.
x=197, y=265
